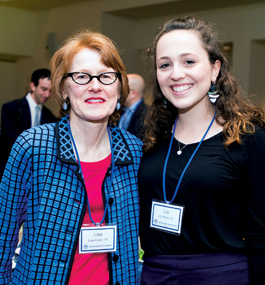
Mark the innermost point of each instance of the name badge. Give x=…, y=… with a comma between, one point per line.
x=98, y=239
x=166, y=217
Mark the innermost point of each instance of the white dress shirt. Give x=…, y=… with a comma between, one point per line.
x=32, y=108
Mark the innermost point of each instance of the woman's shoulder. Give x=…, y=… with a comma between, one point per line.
x=41, y=129
x=258, y=138
x=132, y=138
x=252, y=144
x=257, y=135
x=259, y=130
x=129, y=138
x=33, y=138
x=127, y=143
x=42, y=132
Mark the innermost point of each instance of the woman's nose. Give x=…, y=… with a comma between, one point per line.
x=177, y=73
x=94, y=85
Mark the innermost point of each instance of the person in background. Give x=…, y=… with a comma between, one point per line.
x=21, y=114
x=135, y=109
x=201, y=179
x=74, y=183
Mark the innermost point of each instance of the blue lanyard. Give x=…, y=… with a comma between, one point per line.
x=186, y=167
x=80, y=171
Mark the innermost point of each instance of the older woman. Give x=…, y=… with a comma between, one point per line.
x=74, y=183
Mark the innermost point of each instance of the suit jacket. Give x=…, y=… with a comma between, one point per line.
x=13, y=124
x=48, y=193
x=136, y=125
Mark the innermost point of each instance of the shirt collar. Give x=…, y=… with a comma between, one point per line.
x=32, y=103
x=134, y=106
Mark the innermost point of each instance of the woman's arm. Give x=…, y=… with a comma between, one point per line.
x=254, y=219
x=14, y=189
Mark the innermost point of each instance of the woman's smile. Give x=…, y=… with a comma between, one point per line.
x=181, y=88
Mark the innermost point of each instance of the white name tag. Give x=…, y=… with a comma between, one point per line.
x=166, y=217
x=97, y=239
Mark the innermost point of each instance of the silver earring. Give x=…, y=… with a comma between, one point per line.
x=213, y=93
x=118, y=106
x=64, y=106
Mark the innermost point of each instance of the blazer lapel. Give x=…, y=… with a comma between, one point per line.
x=122, y=153
x=64, y=145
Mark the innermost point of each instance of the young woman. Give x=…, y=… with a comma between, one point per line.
x=74, y=183
x=201, y=179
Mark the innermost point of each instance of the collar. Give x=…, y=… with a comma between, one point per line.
x=134, y=106
x=122, y=153
x=32, y=103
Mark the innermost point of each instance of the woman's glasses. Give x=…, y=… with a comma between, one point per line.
x=83, y=78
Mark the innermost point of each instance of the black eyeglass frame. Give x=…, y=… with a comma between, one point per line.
x=70, y=74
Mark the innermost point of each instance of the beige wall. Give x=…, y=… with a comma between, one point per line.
x=8, y=78
x=257, y=73
x=24, y=38
x=17, y=32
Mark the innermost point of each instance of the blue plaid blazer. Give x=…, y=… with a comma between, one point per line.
x=42, y=187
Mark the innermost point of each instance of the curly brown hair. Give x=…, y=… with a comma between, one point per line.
x=236, y=114
x=62, y=60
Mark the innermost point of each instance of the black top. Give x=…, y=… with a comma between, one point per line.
x=223, y=192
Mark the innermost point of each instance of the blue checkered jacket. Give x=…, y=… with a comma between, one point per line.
x=42, y=187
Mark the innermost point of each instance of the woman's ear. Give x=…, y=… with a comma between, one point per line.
x=215, y=70
x=63, y=93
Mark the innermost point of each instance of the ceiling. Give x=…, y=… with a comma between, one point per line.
x=180, y=7
x=183, y=6
x=37, y=5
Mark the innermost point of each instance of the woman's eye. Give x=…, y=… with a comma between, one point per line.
x=105, y=76
x=189, y=62
x=82, y=76
x=164, y=65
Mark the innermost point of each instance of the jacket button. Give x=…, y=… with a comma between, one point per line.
x=111, y=200
x=115, y=258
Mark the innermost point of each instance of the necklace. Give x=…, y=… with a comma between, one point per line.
x=179, y=152
x=189, y=162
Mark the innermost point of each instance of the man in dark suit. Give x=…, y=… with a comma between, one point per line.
x=132, y=119
x=25, y=113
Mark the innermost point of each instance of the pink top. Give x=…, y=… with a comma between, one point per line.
x=92, y=268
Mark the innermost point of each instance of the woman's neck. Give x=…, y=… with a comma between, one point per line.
x=192, y=125
x=91, y=140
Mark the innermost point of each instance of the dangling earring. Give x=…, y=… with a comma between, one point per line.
x=213, y=93
x=118, y=106
x=165, y=104
x=64, y=106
